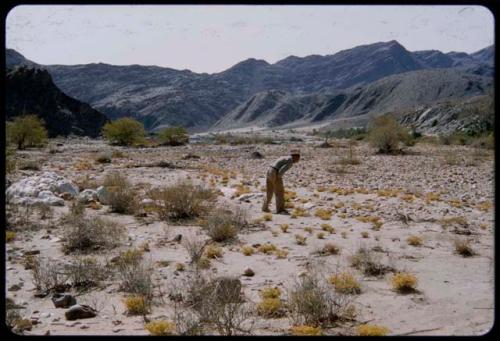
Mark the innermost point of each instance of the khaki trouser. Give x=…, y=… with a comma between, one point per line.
x=274, y=185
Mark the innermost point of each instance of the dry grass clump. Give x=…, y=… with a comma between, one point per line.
x=195, y=247
x=345, y=283
x=484, y=206
x=267, y=248
x=247, y=250
x=320, y=235
x=224, y=224
x=240, y=190
x=84, y=273
x=135, y=274
x=365, y=234
x=83, y=233
x=414, y=240
x=463, y=248
x=372, y=330
x=160, y=328
x=213, y=252
x=10, y=236
x=300, y=239
x=284, y=227
x=104, y=158
x=312, y=302
x=271, y=305
x=404, y=282
x=137, y=305
x=281, y=254
x=368, y=263
x=299, y=212
x=308, y=229
x=122, y=197
x=328, y=228
x=324, y=214
x=267, y=217
x=460, y=221
x=270, y=292
x=387, y=192
x=306, y=331
x=330, y=249
x=47, y=274
x=182, y=201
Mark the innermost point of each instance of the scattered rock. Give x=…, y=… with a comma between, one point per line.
x=178, y=238
x=80, y=311
x=15, y=287
x=256, y=155
x=249, y=272
x=63, y=300
x=87, y=196
x=103, y=195
x=31, y=253
x=190, y=156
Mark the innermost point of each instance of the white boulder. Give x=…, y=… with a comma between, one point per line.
x=103, y=195
x=87, y=196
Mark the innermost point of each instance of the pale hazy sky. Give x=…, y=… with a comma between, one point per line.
x=210, y=39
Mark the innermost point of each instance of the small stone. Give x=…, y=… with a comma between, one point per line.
x=32, y=252
x=63, y=300
x=249, y=272
x=15, y=287
x=79, y=312
x=84, y=326
x=116, y=330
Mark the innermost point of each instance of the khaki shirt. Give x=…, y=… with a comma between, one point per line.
x=282, y=164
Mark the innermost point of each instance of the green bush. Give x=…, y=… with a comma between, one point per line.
x=173, y=136
x=26, y=131
x=10, y=160
x=386, y=134
x=124, y=132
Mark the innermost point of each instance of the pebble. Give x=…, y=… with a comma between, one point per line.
x=84, y=326
x=116, y=330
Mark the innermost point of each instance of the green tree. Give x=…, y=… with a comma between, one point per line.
x=125, y=131
x=173, y=136
x=26, y=131
x=386, y=133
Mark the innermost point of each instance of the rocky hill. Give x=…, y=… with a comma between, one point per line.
x=394, y=93
x=162, y=96
x=32, y=91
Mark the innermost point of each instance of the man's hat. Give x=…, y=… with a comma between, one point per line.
x=295, y=152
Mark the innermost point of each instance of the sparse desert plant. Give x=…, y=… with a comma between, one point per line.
x=104, y=158
x=33, y=165
x=135, y=274
x=454, y=221
x=47, y=274
x=308, y=229
x=386, y=134
x=372, y=330
x=281, y=254
x=84, y=273
x=463, y=248
x=320, y=235
x=160, y=328
x=324, y=214
x=182, y=201
x=404, y=282
x=270, y=292
x=365, y=234
x=414, y=240
x=83, y=233
x=124, y=131
x=300, y=239
x=267, y=217
x=26, y=131
x=224, y=224
x=270, y=307
x=122, y=197
x=173, y=136
x=267, y=248
x=10, y=160
x=284, y=227
x=10, y=236
x=306, y=331
x=312, y=302
x=247, y=250
x=368, y=263
x=203, y=263
x=195, y=247
x=299, y=212
x=213, y=251
x=137, y=305
x=330, y=249
x=328, y=228
x=345, y=283
x=180, y=267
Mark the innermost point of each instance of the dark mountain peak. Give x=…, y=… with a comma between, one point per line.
x=249, y=64
x=14, y=58
x=433, y=59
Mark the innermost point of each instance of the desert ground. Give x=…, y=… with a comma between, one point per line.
x=440, y=194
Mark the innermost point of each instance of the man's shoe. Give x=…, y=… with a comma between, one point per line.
x=265, y=209
x=283, y=212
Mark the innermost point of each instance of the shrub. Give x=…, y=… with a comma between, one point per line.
x=29, y=165
x=137, y=305
x=328, y=228
x=320, y=235
x=372, y=330
x=213, y=251
x=404, y=282
x=85, y=272
x=182, y=201
x=386, y=134
x=10, y=160
x=247, y=250
x=306, y=331
x=463, y=248
x=122, y=197
x=270, y=293
x=281, y=254
x=300, y=239
x=312, y=302
x=135, y=274
x=224, y=224
x=267, y=248
x=195, y=247
x=270, y=307
x=173, y=136
x=26, y=131
x=124, y=131
x=83, y=234
x=160, y=328
x=47, y=274
x=414, y=240
x=330, y=249
x=10, y=236
x=104, y=158
x=368, y=263
x=345, y=283
x=267, y=217
x=284, y=227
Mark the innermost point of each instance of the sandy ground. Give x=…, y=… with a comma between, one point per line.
x=455, y=294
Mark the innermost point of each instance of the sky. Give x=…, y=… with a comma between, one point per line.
x=208, y=38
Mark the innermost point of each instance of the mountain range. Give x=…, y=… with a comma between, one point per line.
x=363, y=81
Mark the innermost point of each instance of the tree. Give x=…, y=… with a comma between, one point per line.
x=26, y=131
x=125, y=131
x=386, y=134
x=173, y=136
